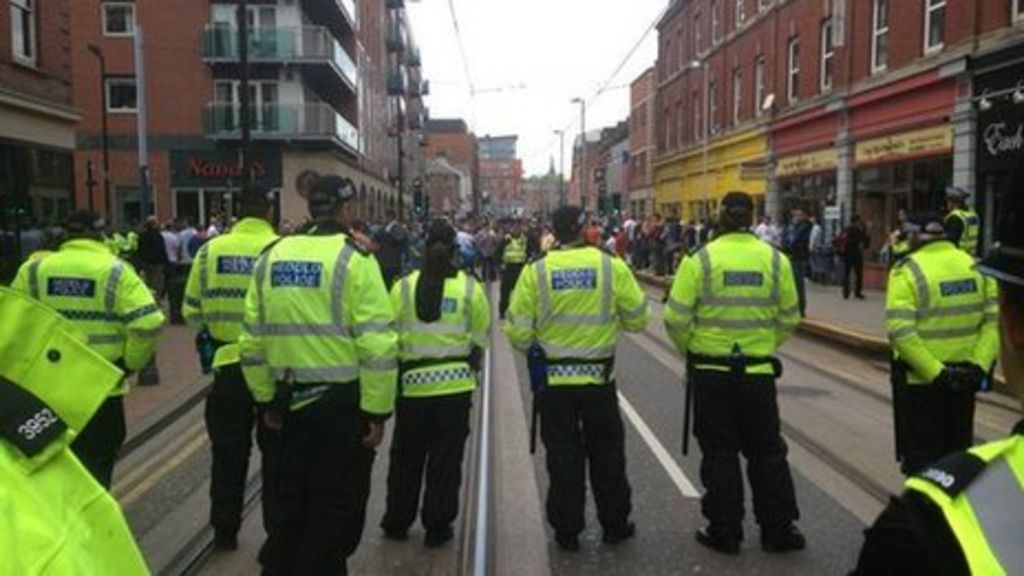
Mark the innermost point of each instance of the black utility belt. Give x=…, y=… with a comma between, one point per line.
x=736, y=364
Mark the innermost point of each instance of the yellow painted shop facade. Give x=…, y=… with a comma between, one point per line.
x=734, y=162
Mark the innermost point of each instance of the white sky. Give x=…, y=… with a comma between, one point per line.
x=559, y=49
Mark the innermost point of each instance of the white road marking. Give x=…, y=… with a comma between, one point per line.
x=683, y=483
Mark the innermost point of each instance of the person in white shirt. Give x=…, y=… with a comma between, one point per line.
x=185, y=240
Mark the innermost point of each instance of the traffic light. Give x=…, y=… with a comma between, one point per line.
x=421, y=203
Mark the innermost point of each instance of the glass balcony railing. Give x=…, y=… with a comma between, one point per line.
x=283, y=121
x=305, y=44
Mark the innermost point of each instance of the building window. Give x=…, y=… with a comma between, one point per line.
x=793, y=75
x=118, y=18
x=698, y=38
x=716, y=22
x=121, y=95
x=23, y=31
x=680, y=123
x=827, y=56
x=740, y=13
x=935, y=25
x=1018, y=10
x=697, y=132
x=713, y=106
x=737, y=96
x=762, y=5
x=759, y=87
x=880, y=36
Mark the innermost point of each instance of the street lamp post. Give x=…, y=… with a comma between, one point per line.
x=706, y=112
x=561, y=167
x=583, y=148
x=95, y=50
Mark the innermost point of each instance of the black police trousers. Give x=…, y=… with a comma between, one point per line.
x=230, y=414
x=935, y=422
x=581, y=426
x=509, y=276
x=319, y=483
x=733, y=416
x=99, y=443
x=430, y=433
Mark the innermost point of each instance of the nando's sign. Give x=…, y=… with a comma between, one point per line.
x=214, y=168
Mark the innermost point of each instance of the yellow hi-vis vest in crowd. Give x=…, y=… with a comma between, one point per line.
x=735, y=291
x=971, y=225
x=317, y=312
x=100, y=294
x=573, y=302
x=940, y=310
x=981, y=497
x=218, y=281
x=55, y=519
x=515, y=250
x=443, y=346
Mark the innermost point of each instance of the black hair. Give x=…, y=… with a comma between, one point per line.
x=567, y=222
x=256, y=201
x=438, y=266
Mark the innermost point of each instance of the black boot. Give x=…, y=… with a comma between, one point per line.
x=784, y=539
x=619, y=535
x=719, y=540
x=438, y=537
x=568, y=542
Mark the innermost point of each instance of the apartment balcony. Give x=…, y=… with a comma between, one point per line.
x=333, y=11
x=396, y=39
x=312, y=47
x=395, y=4
x=419, y=88
x=412, y=58
x=312, y=123
x=398, y=84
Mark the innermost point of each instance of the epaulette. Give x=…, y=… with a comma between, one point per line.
x=354, y=243
x=954, y=473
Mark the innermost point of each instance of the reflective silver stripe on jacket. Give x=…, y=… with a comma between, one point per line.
x=33, y=279
x=736, y=323
x=998, y=504
x=260, y=276
x=947, y=333
x=679, y=307
x=635, y=313
x=901, y=333
x=585, y=353
x=110, y=294
x=204, y=274
x=370, y=328
x=253, y=360
x=434, y=328
x=327, y=330
x=379, y=364
x=467, y=307
x=894, y=314
x=145, y=332
x=338, y=284
x=435, y=351
x=223, y=317
x=105, y=339
x=924, y=299
x=322, y=374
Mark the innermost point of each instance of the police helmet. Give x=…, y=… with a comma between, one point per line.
x=84, y=222
x=956, y=193
x=1005, y=261
x=927, y=225
x=328, y=193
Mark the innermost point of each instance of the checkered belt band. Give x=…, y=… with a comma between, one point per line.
x=436, y=376
x=576, y=370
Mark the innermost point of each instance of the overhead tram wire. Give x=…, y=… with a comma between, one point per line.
x=465, y=61
x=606, y=85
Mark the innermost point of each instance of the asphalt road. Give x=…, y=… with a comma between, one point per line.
x=836, y=420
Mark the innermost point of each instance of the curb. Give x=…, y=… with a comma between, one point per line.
x=831, y=333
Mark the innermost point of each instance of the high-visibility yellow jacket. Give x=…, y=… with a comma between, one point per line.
x=218, y=281
x=940, y=310
x=317, y=312
x=515, y=250
x=735, y=291
x=981, y=497
x=55, y=519
x=100, y=294
x=971, y=229
x=573, y=302
x=465, y=322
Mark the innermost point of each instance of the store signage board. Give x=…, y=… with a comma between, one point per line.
x=935, y=140
x=831, y=212
x=817, y=161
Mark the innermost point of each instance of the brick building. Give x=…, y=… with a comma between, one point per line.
x=37, y=123
x=451, y=140
x=870, y=110
x=318, y=90
x=640, y=177
x=501, y=176
x=585, y=193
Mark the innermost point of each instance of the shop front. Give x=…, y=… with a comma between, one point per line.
x=737, y=162
x=207, y=184
x=806, y=162
x=999, y=147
